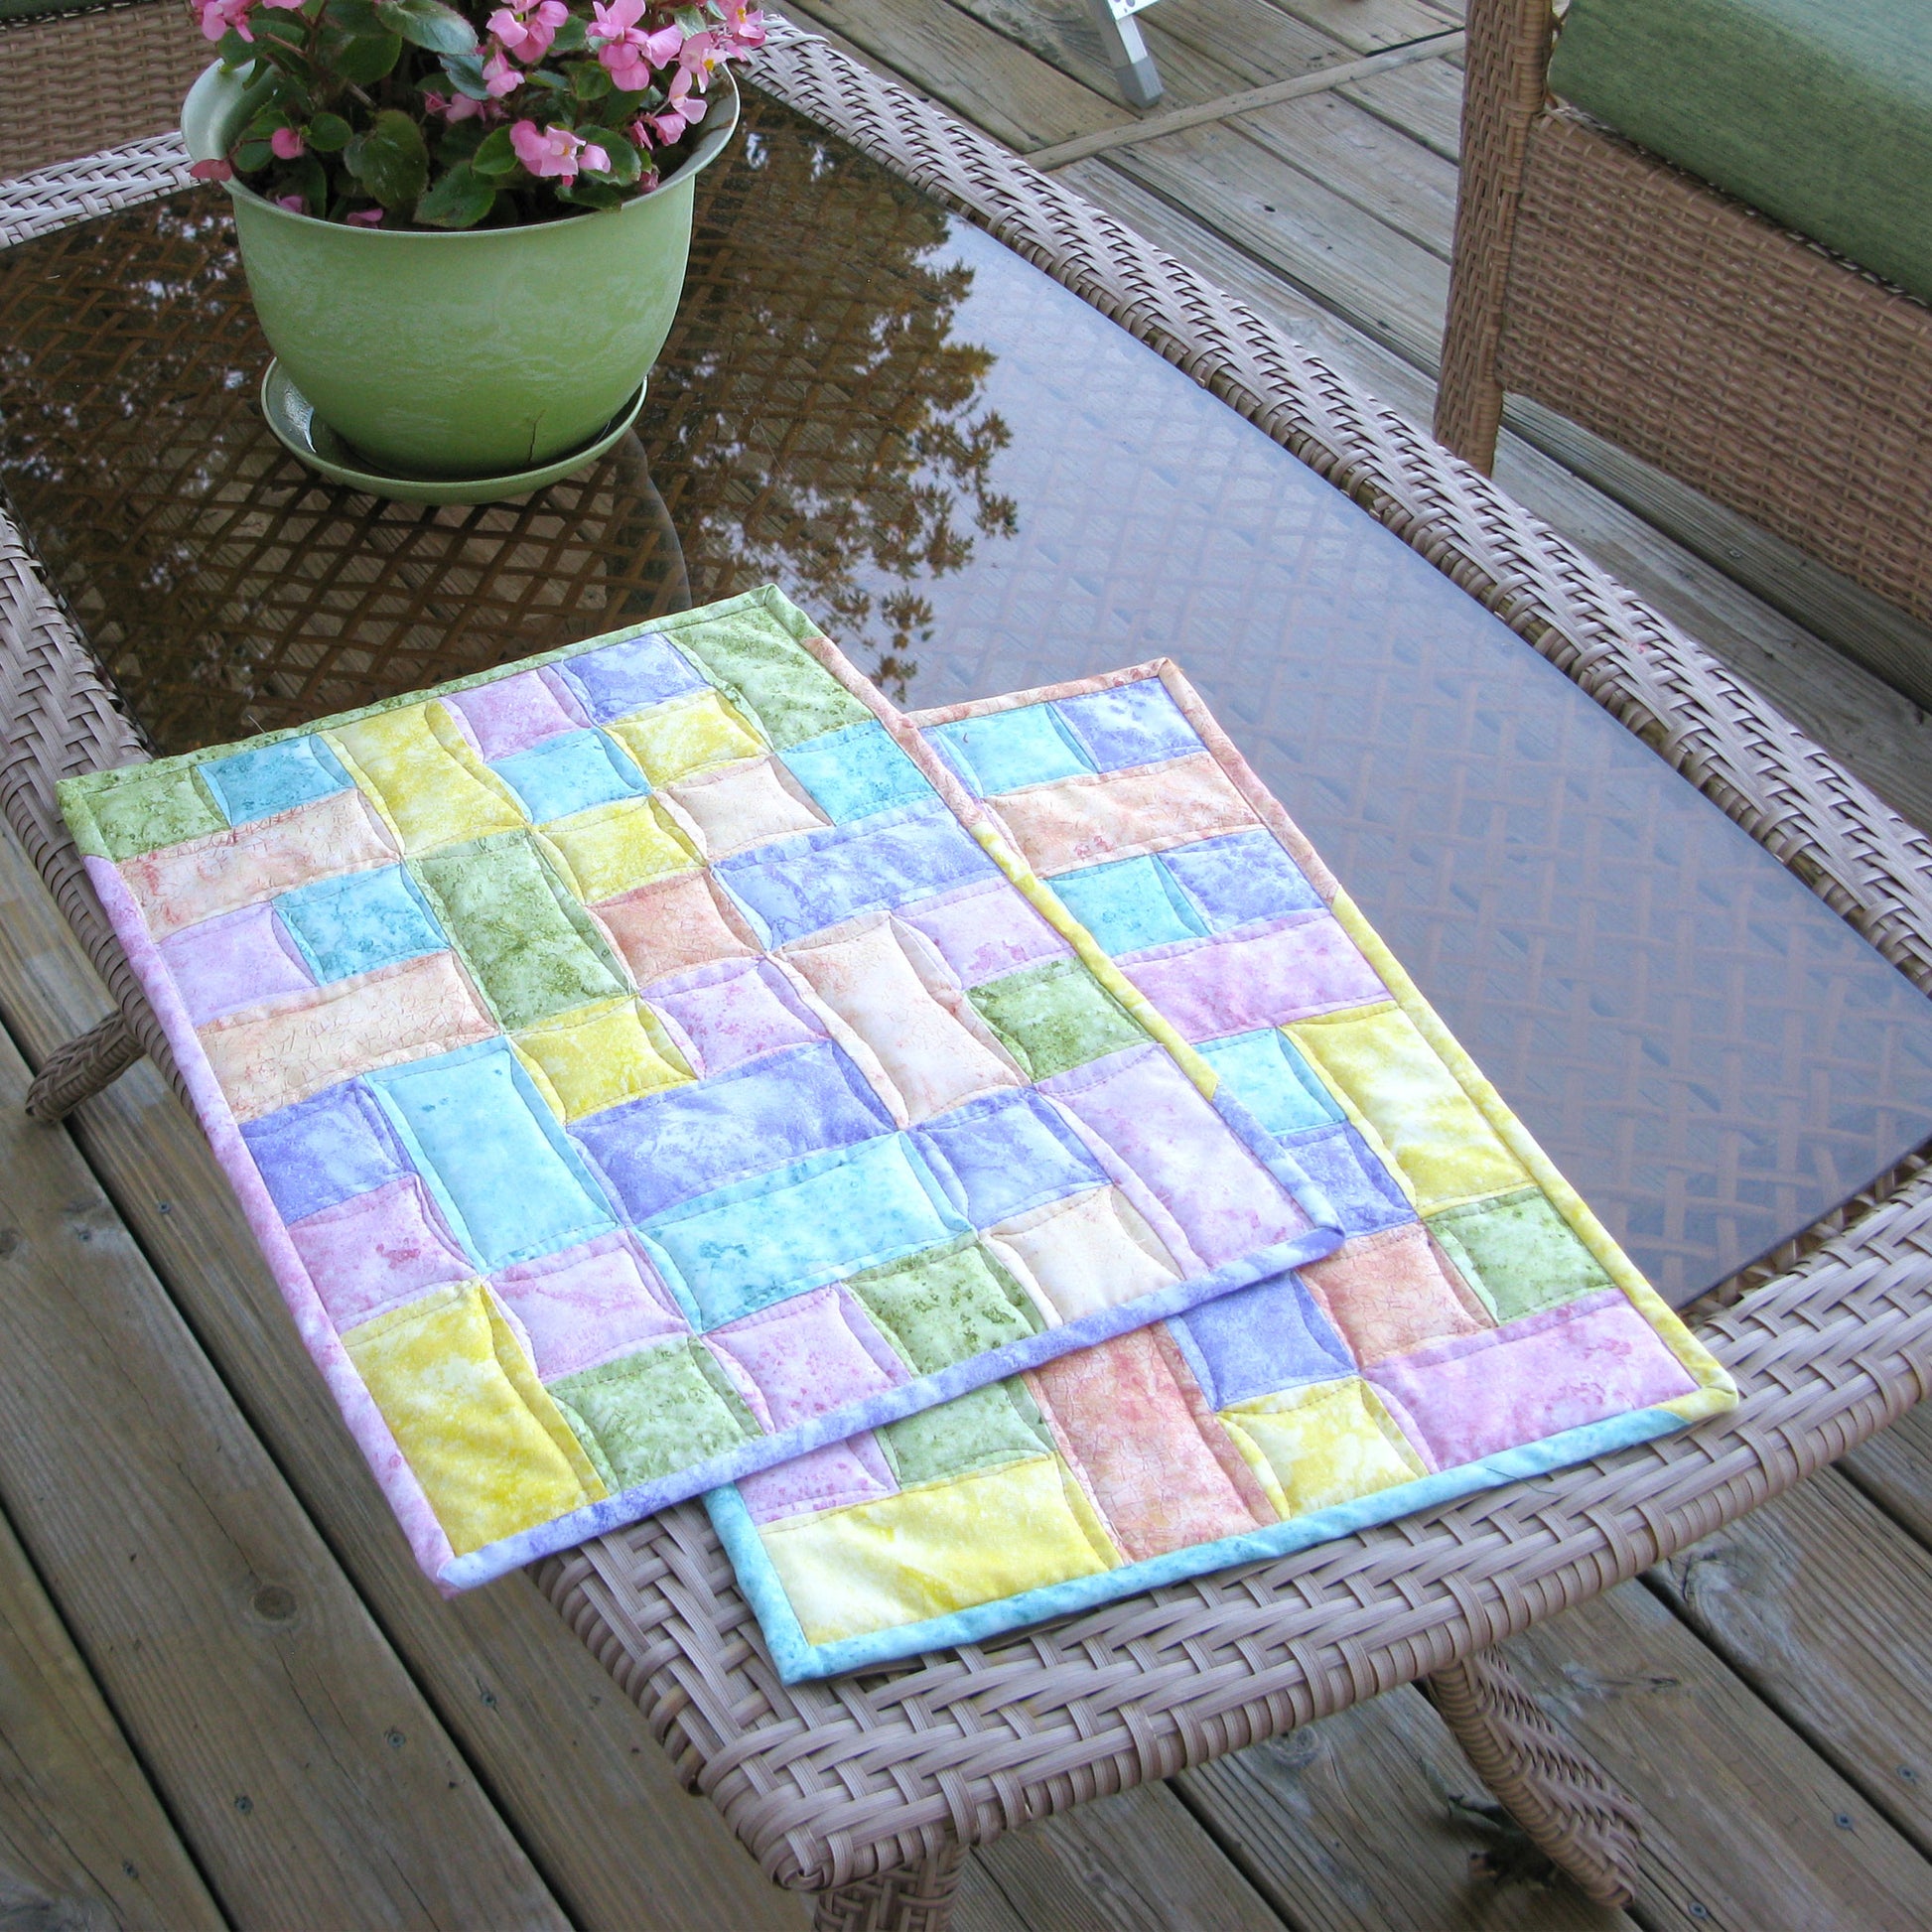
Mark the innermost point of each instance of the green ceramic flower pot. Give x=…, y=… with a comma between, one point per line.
x=472, y=353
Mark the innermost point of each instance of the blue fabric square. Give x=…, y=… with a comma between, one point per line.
x=1133, y=724
x=628, y=675
x=360, y=921
x=1004, y=1154
x=1271, y=1080
x=854, y=773
x=686, y=1141
x=571, y=774
x=1362, y=1192
x=1259, y=1339
x=746, y=1246
x=324, y=1151
x=803, y=885
x=1005, y=749
x=1239, y=878
x=1127, y=905
x=508, y=1183
x=273, y=779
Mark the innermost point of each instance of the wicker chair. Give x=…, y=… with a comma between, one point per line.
x=1681, y=325
x=866, y=1790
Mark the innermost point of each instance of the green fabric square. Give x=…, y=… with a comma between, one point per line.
x=527, y=943
x=973, y=1432
x=1056, y=1016
x=646, y=1415
x=946, y=1304
x=150, y=805
x=794, y=696
x=1518, y=1253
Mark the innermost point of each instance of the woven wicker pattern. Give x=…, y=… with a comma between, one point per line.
x=1692, y=332
x=82, y=82
x=832, y=1783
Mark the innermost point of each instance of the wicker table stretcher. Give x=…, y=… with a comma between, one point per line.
x=867, y=1789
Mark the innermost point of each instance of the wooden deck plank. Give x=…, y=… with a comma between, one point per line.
x=1368, y=25
x=1818, y=1600
x=1895, y=1469
x=1423, y=100
x=1368, y=1822
x=1746, y=1827
x=567, y=1757
x=289, y=1744
x=84, y=1841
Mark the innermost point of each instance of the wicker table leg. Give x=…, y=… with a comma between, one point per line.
x=1568, y=1804
x=913, y=1899
x=98, y=1059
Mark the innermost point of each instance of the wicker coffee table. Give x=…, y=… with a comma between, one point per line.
x=979, y=483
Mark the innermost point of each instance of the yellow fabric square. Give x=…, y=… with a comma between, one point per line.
x=422, y=777
x=613, y=848
x=1388, y=1077
x=474, y=1423
x=600, y=1055
x=672, y=740
x=1322, y=1444
x=973, y=1540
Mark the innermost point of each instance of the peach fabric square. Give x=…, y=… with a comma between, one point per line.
x=1082, y=821
x=673, y=924
x=1080, y=1255
x=744, y=805
x=1391, y=1292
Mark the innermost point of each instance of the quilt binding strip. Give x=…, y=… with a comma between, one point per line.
x=404, y=1492
x=800, y=1659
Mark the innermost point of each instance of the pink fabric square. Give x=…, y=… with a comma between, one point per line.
x=831, y=1477
x=377, y=1248
x=1553, y=1370
x=1156, y=1119
x=806, y=1355
x=734, y=1011
x=588, y=1304
x=512, y=714
x=233, y=961
x=985, y=930
x=1266, y=979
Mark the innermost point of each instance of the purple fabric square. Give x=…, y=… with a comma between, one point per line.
x=804, y=1357
x=1259, y=1339
x=683, y=1142
x=587, y=1303
x=985, y=930
x=233, y=961
x=831, y=1477
x=736, y=1010
x=377, y=1248
x=1362, y=1191
x=322, y=1150
x=1133, y=724
x=628, y=676
x=1239, y=878
x=512, y=714
x=1004, y=1154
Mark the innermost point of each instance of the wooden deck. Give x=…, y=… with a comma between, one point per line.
x=226, y=1696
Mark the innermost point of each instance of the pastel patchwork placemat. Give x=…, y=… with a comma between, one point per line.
x=637, y=1074
x=1478, y=1324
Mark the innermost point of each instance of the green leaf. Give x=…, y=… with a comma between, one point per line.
x=466, y=72
x=588, y=80
x=233, y=50
x=586, y=192
x=459, y=200
x=495, y=157
x=547, y=77
x=626, y=166
x=364, y=57
x=459, y=142
x=289, y=28
x=329, y=134
x=691, y=20
x=572, y=36
x=353, y=17
x=250, y=154
x=304, y=177
x=428, y=23
x=391, y=160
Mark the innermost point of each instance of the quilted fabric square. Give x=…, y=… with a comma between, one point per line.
x=642, y=1076
x=1475, y=1326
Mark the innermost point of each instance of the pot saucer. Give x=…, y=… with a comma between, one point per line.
x=308, y=438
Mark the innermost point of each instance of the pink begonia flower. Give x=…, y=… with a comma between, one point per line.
x=526, y=30
x=500, y=76
x=627, y=53
x=680, y=111
x=293, y=202
x=216, y=170
x=367, y=217
x=217, y=16
x=287, y=144
x=744, y=24
x=460, y=107
x=556, y=151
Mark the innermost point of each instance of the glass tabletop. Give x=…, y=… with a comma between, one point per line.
x=978, y=483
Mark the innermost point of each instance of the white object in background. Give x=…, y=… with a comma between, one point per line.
x=1133, y=64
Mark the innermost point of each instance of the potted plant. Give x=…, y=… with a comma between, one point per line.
x=465, y=229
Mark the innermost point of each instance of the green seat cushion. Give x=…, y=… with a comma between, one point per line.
x=1818, y=112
